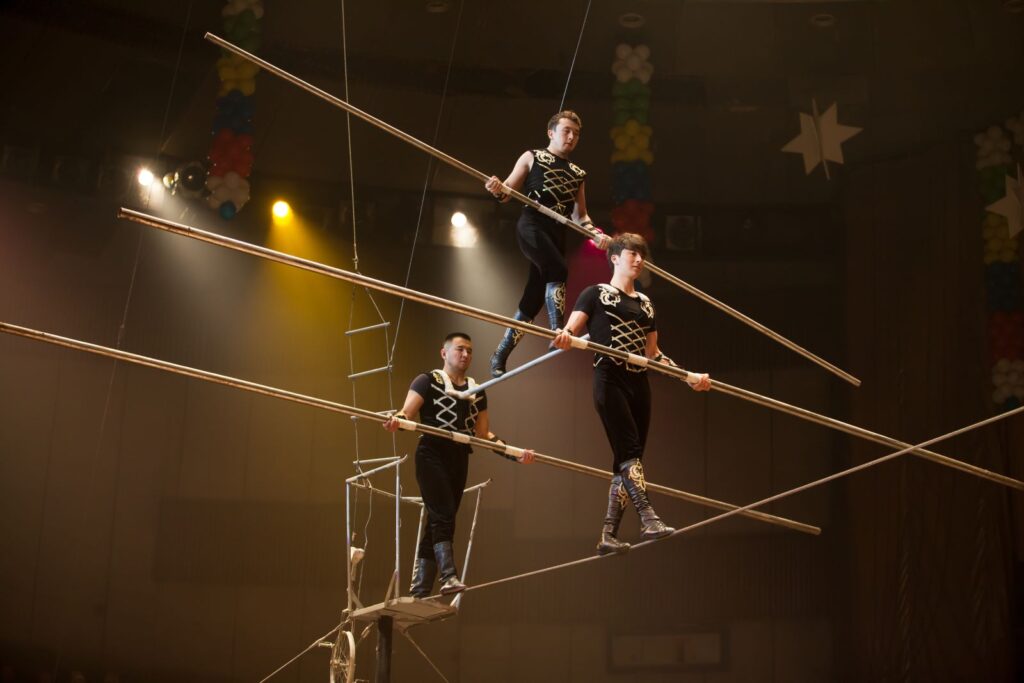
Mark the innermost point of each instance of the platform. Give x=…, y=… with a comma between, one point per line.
x=405, y=611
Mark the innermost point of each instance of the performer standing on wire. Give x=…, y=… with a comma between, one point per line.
x=547, y=176
x=442, y=465
x=618, y=316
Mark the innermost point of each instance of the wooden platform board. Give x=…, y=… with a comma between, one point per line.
x=405, y=611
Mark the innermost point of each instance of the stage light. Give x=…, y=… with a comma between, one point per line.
x=463, y=236
x=281, y=209
x=145, y=177
x=458, y=220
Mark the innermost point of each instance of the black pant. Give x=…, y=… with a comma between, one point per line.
x=541, y=240
x=441, y=471
x=623, y=400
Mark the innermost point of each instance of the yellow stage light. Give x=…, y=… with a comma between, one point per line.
x=282, y=209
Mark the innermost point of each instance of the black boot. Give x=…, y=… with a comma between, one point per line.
x=617, y=499
x=446, y=563
x=505, y=346
x=651, y=525
x=554, y=301
x=424, y=571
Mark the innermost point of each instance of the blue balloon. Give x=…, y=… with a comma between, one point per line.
x=227, y=210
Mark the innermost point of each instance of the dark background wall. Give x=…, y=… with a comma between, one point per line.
x=158, y=528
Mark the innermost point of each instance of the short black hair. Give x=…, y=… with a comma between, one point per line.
x=453, y=335
x=565, y=114
x=627, y=240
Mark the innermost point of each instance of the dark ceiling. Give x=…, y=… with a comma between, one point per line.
x=106, y=77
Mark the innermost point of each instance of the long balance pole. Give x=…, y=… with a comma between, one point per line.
x=469, y=170
x=324, y=404
x=536, y=330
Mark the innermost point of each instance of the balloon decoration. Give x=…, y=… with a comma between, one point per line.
x=631, y=137
x=631, y=64
x=1003, y=285
x=993, y=148
x=1008, y=379
x=230, y=157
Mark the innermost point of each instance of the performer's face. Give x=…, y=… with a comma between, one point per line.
x=564, y=137
x=628, y=262
x=458, y=353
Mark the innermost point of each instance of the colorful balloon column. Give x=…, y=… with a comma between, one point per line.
x=1002, y=266
x=230, y=158
x=631, y=137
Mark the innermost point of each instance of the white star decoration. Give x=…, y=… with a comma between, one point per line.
x=1010, y=205
x=821, y=138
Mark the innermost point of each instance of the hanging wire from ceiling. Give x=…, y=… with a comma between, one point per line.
x=430, y=169
x=572, y=65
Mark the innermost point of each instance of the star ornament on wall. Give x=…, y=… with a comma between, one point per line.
x=821, y=138
x=1011, y=206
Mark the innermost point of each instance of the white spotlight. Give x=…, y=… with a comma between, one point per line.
x=459, y=219
x=464, y=237
x=145, y=177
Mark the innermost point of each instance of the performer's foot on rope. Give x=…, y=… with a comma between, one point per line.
x=651, y=526
x=424, y=571
x=617, y=499
x=505, y=346
x=450, y=583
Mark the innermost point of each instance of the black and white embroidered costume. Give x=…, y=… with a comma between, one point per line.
x=555, y=183
x=442, y=466
x=622, y=395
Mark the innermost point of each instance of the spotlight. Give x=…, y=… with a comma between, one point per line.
x=281, y=209
x=464, y=236
x=145, y=177
x=190, y=180
x=459, y=219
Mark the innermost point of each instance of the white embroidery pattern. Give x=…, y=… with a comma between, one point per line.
x=544, y=156
x=446, y=406
x=558, y=182
x=628, y=336
x=558, y=296
x=608, y=295
x=646, y=306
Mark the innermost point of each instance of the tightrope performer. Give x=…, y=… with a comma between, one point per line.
x=617, y=315
x=548, y=177
x=442, y=465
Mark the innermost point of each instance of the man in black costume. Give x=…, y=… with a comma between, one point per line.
x=548, y=177
x=619, y=316
x=441, y=464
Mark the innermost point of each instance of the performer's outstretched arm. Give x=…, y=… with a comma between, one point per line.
x=577, y=321
x=583, y=218
x=515, y=179
x=655, y=353
x=409, y=411
x=483, y=431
